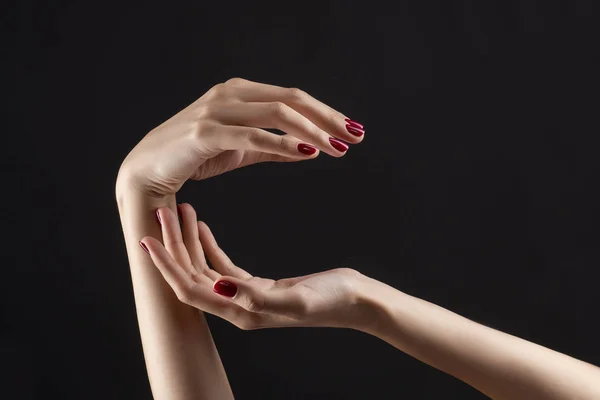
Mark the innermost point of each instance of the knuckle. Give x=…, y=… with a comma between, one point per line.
x=236, y=81
x=278, y=109
x=200, y=129
x=349, y=272
x=250, y=135
x=283, y=143
x=333, y=117
x=206, y=110
x=295, y=94
x=219, y=90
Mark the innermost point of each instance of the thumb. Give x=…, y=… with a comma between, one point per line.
x=248, y=295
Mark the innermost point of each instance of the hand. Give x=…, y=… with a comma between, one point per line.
x=221, y=131
x=327, y=298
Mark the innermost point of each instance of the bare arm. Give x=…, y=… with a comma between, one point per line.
x=181, y=358
x=219, y=132
x=498, y=364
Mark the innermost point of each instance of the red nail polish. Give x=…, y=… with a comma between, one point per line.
x=144, y=247
x=338, y=145
x=354, y=123
x=225, y=288
x=354, y=130
x=306, y=149
x=158, y=217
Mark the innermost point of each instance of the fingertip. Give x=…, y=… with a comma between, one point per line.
x=354, y=139
x=185, y=206
x=225, y=287
x=307, y=149
x=144, y=246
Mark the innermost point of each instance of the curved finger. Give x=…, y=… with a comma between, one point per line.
x=233, y=137
x=195, y=290
x=180, y=280
x=278, y=115
x=191, y=241
x=217, y=257
x=173, y=239
x=322, y=115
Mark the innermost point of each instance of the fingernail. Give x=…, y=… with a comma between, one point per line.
x=306, y=149
x=354, y=123
x=158, y=217
x=225, y=288
x=144, y=247
x=338, y=145
x=355, y=130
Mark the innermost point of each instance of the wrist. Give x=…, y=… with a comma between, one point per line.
x=374, y=302
x=128, y=186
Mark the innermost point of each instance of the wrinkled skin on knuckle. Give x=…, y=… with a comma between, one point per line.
x=278, y=109
x=284, y=144
x=250, y=135
x=296, y=95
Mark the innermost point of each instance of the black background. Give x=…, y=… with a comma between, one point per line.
x=475, y=187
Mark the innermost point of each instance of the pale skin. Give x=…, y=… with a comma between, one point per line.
x=219, y=133
x=499, y=365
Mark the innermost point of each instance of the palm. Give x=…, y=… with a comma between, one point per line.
x=322, y=293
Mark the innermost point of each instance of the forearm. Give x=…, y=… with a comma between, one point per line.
x=181, y=357
x=500, y=365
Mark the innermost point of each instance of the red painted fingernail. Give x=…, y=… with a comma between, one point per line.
x=158, y=217
x=354, y=130
x=307, y=149
x=354, y=123
x=338, y=145
x=225, y=288
x=144, y=247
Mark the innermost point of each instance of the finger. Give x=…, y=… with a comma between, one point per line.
x=192, y=241
x=278, y=115
x=325, y=117
x=176, y=276
x=256, y=299
x=217, y=257
x=173, y=239
x=231, y=137
x=195, y=290
x=255, y=157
